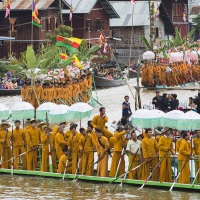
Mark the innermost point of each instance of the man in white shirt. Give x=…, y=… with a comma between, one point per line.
x=134, y=150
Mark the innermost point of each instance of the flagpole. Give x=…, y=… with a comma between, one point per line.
x=71, y=19
x=32, y=22
x=10, y=38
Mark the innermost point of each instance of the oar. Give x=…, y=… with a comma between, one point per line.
x=153, y=171
x=79, y=160
x=2, y=152
x=178, y=175
x=88, y=168
x=195, y=177
x=65, y=169
x=95, y=100
x=12, y=159
x=129, y=168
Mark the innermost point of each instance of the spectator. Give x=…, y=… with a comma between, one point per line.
x=163, y=102
x=155, y=100
x=20, y=81
x=197, y=102
x=190, y=104
x=13, y=85
x=8, y=75
x=174, y=103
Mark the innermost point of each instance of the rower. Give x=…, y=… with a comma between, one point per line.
x=5, y=151
x=63, y=160
x=133, y=147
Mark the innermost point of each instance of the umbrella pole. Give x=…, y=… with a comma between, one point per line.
x=80, y=123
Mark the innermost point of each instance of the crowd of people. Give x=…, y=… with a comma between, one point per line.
x=67, y=91
x=169, y=75
x=74, y=149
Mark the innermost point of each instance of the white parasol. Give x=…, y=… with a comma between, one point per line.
x=193, y=56
x=176, y=57
x=22, y=110
x=148, y=55
x=4, y=112
x=44, y=109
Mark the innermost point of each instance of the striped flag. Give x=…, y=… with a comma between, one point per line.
x=35, y=19
x=7, y=8
x=70, y=14
x=184, y=17
x=105, y=47
x=101, y=39
x=133, y=1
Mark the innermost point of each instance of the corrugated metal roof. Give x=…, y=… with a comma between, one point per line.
x=26, y=4
x=124, y=10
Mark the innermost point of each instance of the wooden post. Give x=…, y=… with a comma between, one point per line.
x=60, y=10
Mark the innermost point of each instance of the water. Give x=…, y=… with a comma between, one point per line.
x=24, y=187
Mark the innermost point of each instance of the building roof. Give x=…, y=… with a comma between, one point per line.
x=85, y=6
x=195, y=10
x=124, y=9
x=26, y=4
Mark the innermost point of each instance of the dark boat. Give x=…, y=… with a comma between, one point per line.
x=8, y=92
x=132, y=74
x=106, y=83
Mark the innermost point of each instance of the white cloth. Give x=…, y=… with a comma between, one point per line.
x=133, y=146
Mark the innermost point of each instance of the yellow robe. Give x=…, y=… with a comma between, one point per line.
x=59, y=144
x=86, y=144
x=119, y=142
x=165, y=165
x=5, y=147
x=18, y=143
x=73, y=143
x=46, y=140
x=196, y=148
x=36, y=96
x=149, y=150
x=26, y=94
x=183, y=157
x=62, y=163
x=102, y=169
x=32, y=140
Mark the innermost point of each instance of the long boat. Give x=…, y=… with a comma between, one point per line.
x=154, y=184
x=9, y=92
x=106, y=83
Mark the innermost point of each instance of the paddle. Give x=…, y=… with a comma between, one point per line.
x=195, y=177
x=153, y=170
x=178, y=175
x=2, y=152
x=88, y=168
x=12, y=159
x=129, y=168
x=65, y=169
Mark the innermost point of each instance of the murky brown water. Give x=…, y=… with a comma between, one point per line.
x=24, y=187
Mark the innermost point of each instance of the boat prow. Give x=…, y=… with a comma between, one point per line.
x=108, y=180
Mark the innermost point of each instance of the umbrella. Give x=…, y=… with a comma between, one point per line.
x=193, y=56
x=144, y=118
x=172, y=119
x=4, y=112
x=190, y=121
x=44, y=109
x=176, y=57
x=79, y=111
x=22, y=110
x=148, y=55
x=58, y=114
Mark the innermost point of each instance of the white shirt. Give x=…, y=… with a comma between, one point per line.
x=133, y=146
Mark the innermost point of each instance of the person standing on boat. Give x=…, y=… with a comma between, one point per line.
x=184, y=156
x=32, y=140
x=119, y=144
x=73, y=144
x=63, y=160
x=47, y=139
x=156, y=99
x=196, y=148
x=126, y=108
x=102, y=147
x=26, y=93
x=150, y=150
x=5, y=151
x=18, y=143
x=165, y=145
x=100, y=120
x=60, y=142
x=134, y=149
x=86, y=146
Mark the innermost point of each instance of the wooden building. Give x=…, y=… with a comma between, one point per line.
x=21, y=21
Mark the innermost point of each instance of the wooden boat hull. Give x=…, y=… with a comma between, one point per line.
x=106, y=83
x=132, y=74
x=138, y=183
x=10, y=92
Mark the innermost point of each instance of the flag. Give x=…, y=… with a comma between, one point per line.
x=76, y=61
x=67, y=46
x=35, y=19
x=74, y=42
x=101, y=39
x=7, y=8
x=70, y=14
x=157, y=13
x=184, y=17
x=105, y=47
x=64, y=56
x=133, y=1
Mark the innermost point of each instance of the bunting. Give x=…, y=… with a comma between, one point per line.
x=35, y=19
x=70, y=14
x=101, y=39
x=184, y=17
x=7, y=8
